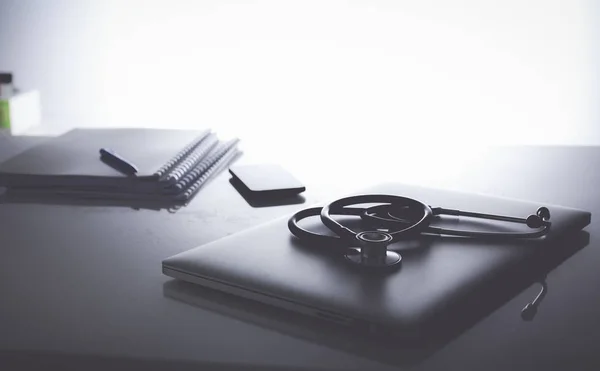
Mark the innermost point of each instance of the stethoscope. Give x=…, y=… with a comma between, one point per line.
x=397, y=218
x=401, y=218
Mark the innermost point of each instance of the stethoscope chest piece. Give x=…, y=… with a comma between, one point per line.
x=372, y=251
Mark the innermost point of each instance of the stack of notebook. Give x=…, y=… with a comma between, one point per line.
x=171, y=164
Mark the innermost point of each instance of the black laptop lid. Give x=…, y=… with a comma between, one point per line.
x=437, y=273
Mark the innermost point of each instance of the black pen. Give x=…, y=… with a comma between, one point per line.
x=111, y=158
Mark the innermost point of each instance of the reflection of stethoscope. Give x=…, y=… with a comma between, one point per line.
x=395, y=219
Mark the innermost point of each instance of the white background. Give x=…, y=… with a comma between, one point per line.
x=383, y=81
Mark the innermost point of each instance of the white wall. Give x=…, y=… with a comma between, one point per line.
x=507, y=71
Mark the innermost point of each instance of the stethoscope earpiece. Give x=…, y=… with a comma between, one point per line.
x=534, y=221
x=543, y=213
x=540, y=218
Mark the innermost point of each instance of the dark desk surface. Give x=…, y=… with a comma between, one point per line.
x=82, y=286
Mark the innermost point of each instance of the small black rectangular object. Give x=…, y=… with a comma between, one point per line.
x=6, y=78
x=266, y=180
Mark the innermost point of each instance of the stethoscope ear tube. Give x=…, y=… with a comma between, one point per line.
x=538, y=221
x=392, y=217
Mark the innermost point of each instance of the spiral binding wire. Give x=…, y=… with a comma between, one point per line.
x=165, y=169
x=213, y=170
x=192, y=159
x=185, y=198
x=208, y=163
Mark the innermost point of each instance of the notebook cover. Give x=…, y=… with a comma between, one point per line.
x=73, y=159
x=437, y=273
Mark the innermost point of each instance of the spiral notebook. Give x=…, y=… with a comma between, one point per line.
x=169, y=162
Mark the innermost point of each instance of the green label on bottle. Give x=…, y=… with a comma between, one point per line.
x=4, y=115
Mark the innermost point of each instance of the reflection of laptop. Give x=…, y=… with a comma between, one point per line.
x=438, y=274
